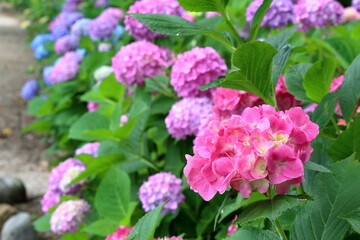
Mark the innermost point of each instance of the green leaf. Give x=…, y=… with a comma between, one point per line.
x=345, y=48
x=258, y=17
x=102, y=227
x=255, y=61
x=113, y=195
x=325, y=110
x=316, y=167
x=89, y=121
x=75, y=236
x=204, y=5
x=158, y=84
x=347, y=143
x=294, y=81
x=101, y=134
x=271, y=209
x=247, y=232
x=318, y=78
x=145, y=227
x=335, y=195
x=111, y=88
x=177, y=26
x=354, y=219
x=350, y=89
x=42, y=224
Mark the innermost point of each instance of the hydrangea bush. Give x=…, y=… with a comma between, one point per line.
x=205, y=119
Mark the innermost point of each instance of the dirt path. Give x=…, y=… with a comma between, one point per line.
x=19, y=155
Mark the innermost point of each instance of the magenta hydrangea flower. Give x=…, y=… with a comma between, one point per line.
x=68, y=216
x=321, y=13
x=284, y=99
x=251, y=151
x=66, y=68
x=279, y=15
x=92, y=106
x=230, y=101
x=186, y=115
x=356, y=4
x=66, y=44
x=195, y=68
x=139, y=30
x=59, y=179
x=159, y=188
x=139, y=60
x=88, y=148
x=120, y=234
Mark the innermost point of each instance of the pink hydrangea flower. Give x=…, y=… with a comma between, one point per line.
x=123, y=119
x=66, y=44
x=88, y=148
x=195, y=68
x=279, y=15
x=212, y=14
x=233, y=227
x=169, y=238
x=139, y=60
x=284, y=99
x=351, y=14
x=120, y=234
x=356, y=4
x=321, y=13
x=251, y=151
x=68, y=216
x=66, y=68
x=160, y=188
x=92, y=106
x=139, y=30
x=185, y=116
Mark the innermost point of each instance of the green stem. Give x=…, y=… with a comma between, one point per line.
x=337, y=129
x=300, y=190
x=280, y=230
x=232, y=28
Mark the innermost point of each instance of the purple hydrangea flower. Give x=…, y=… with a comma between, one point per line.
x=279, y=14
x=59, y=179
x=60, y=25
x=137, y=61
x=101, y=3
x=102, y=72
x=115, y=13
x=88, y=148
x=139, y=30
x=81, y=27
x=195, y=68
x=105, y=24
x=321, y=13
x=159, y=188
x=186, y=115
x=66, y=68
x=71, y=5
x=356, y=4
x=30, y=89
x=46, y=73
x=66, y=44
x=68, y=216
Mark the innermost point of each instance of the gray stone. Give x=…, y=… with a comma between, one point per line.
x=12, y=190
x=6, y=211
x=19, y=227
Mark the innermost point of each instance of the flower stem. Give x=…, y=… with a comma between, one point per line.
x=280, y=230
x=232, y=28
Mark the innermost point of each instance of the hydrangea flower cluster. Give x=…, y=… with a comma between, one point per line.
x=284, y=99
x=230, y=101
x=68, y=216
x=102, y=72
x=321, y=13
x=46, y=73
x=71, y=5
x=169, y=238
x=137, y=61
x=351, y=14
x=356, y=4
x=159, y=188
x=120, y=234
x=59, y=179
x=88, y=148
x=66, y=68
x=38, y=45
x=104, y=25
x=139, y=30
x=279, y=15
x=30, y=89
x=66, y=44
x=195, y=68
x=186, y=115
x=104, y=47
x=60, y=26
x=81, y=27
x=101, y=3
x=116, y=35
x=252, y=150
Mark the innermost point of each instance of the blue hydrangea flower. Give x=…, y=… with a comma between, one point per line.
x=46, y=73
x=41, y=39
x=40, y=52
x=30, y=89
x=116, y=35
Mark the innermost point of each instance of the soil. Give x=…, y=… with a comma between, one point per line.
x=20, y=155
